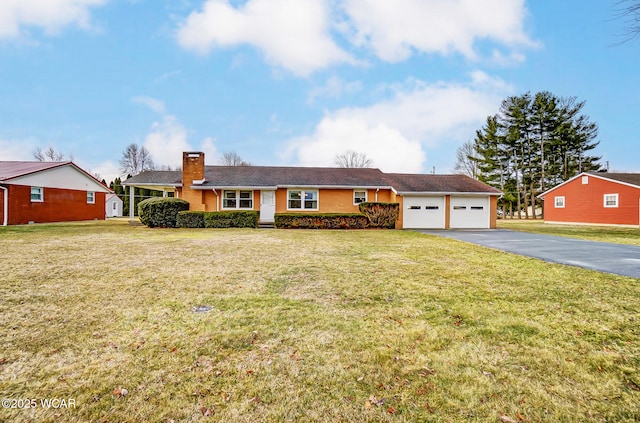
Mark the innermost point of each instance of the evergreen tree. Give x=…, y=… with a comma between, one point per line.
x=534, y=143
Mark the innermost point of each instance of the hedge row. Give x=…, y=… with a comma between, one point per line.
x=161, y=212
x=381, y=215
x=222, y=219
x=173, y=212
x=321, y=221
x=190, y=219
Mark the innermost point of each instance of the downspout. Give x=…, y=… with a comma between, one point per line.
x=5, y=206
x=377, y=189
x=217, y=199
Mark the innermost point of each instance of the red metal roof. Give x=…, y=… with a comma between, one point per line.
x=10, y=170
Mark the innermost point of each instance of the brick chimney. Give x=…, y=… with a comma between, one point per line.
x=192, y=168
x=192, y=174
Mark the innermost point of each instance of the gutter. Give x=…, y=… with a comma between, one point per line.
x=5, y=203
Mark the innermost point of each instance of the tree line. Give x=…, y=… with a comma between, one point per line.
x=533, y=143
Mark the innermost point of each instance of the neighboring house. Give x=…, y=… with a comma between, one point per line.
x=426, y=201
x=113, y=206
x=38, y=192
x=595, y=198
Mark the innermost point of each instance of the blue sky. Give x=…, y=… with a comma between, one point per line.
x=295, y=82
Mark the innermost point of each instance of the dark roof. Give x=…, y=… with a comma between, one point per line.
x=423, y=183
x=274, y=176
x=156, y=177
x=10, y=170
x=629, y=178
x=271, y=176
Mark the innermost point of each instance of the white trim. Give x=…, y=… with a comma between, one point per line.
x=302, y=199
x=440, y=193
x=591, y=175
x=41, y=200
x=613, y=206
x=238, y=199
x=555, y=202
x=366, y=195
x=5, y=206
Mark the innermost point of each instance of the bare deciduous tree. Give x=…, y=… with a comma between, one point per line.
x=465, y=163
x=352, y=158
x=135, y=159
x=232, y=158
x=630, y=11
x=49, y=155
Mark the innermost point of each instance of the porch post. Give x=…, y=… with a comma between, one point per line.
x=132, y=202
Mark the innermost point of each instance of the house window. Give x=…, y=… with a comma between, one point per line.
x=302, y=200
x=237, y=199
x=585, y=180
x=359, y=196
x=559, y=202
x=91, y=197
x=611, y=200
x=37, y=194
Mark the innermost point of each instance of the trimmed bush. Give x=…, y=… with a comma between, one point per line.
x=320, y=221
x=160, y=212
x=231, y=219
x=190, y=219
x=381, y=215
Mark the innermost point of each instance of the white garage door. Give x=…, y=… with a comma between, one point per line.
x=470, y=212
x=423, y=213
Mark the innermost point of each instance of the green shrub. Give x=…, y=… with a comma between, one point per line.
x=381, y=215
x=231, y=219
x=161, y=212
x=190, y=219
x=320, y=221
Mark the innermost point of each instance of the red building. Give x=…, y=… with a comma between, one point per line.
x=595, y=198
x=38, y=192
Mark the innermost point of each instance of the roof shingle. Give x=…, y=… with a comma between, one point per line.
x=629, y=178
x=424, y=183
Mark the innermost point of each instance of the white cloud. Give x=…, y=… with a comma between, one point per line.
x=395, y=29
x=107, y=170
x=334, y=87
x=168, y=138
x=50, y=15
x=298, y=35
x=398, y=132
x=16, y=150
x=387, y=147
x=166, y=141
x=292, y=34
x=152, y=103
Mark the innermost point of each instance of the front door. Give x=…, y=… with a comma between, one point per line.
x=267, y=206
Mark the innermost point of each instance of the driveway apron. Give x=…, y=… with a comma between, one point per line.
x=602, y=256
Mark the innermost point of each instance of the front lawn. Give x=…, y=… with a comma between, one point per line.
x=325, y=326
x=613, y=234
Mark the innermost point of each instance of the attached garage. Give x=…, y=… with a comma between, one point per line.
x=444, y=201
x=424, y=212
x=470, y=212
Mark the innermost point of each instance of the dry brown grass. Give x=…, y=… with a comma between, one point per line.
x=307, y=326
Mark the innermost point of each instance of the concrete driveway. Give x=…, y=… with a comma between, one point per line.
x=604, y=257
